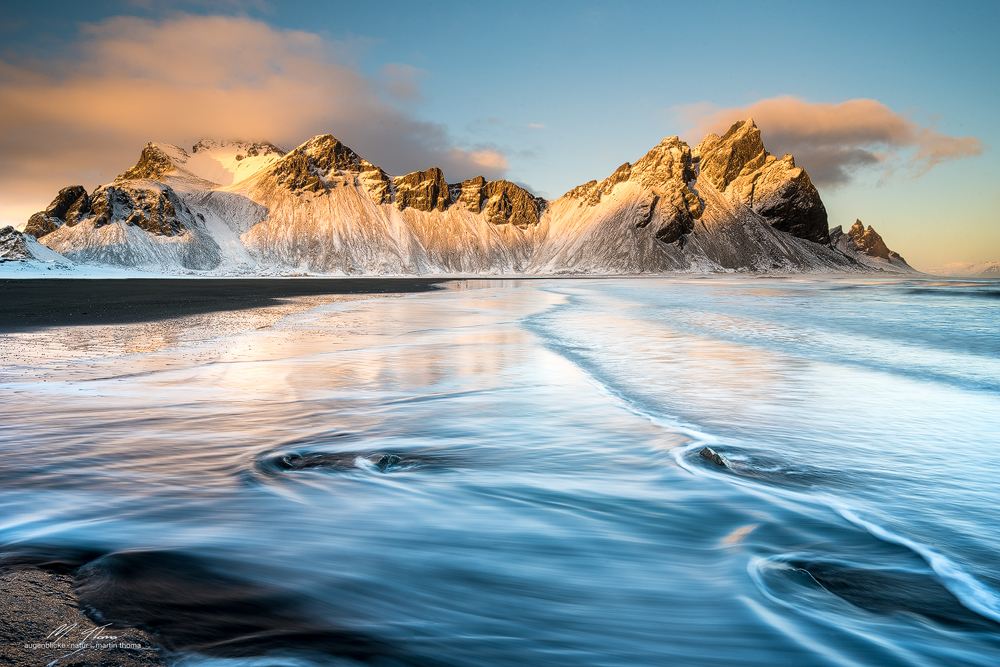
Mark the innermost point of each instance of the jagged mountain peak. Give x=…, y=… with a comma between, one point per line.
x=738, y=164
x=723, y=159
x=867, y=242
x=245, y=207
x=154, y=163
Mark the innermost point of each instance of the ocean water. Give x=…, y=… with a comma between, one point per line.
x=508, y=473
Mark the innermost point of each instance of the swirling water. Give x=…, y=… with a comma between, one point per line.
x=507, y=473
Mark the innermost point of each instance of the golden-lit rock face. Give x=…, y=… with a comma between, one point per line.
x=868, y=240
x=738, y=164
x=507, y=203
x=663, y=175
x=241, y=207
x=423, y=191
x=153, y=164
x=469, y=193
x=502, y=202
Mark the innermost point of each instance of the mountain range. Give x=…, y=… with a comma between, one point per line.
x=967, y=270
x=244, y=208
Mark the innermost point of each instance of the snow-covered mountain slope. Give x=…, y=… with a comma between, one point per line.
x=22, y=254
x=250, y=208
x=330, y=211
x=967, y=270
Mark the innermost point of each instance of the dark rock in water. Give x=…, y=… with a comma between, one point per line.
x=341, y=462
x=780, y=192
x=887, y=591
x=714, y=456
x=423, y=191
x=387, y=461
x=430, y=459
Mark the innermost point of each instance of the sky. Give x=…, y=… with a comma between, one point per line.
x=891, y=107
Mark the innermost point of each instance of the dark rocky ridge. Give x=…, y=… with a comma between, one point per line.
x=780, y=192
x=156, y=208
x=310, y=167
x=638, y=219
x=664, y=174
x=305, y=168
x=69, y=207
x=422, y=190
x=12, y=246
x=866, y=241
x=507, y=203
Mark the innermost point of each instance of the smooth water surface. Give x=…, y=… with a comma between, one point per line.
x=507, y=473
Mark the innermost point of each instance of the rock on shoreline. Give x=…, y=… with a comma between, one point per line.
x=41, y=623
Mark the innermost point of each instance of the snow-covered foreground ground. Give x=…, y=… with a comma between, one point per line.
x=507, y=473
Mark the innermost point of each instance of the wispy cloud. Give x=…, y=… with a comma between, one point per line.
x=84, y=118
x=536, y=126
x=833, y=141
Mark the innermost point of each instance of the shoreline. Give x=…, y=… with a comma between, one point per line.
x=38, y=303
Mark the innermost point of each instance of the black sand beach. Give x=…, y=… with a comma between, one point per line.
x=38, y=303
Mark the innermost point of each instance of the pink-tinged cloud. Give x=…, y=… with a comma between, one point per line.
x=834, y=141
x=84, y=119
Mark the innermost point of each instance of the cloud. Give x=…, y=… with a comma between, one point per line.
x=488, y=159
x=402, y=81
x=833, y=141
x=536, y=126
x=84, y=118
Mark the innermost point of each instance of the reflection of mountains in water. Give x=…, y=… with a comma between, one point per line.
x=240, y=208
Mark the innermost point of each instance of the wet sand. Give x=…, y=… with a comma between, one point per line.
x=40, y=303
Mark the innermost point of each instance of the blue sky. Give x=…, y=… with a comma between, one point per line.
x=549, y=95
